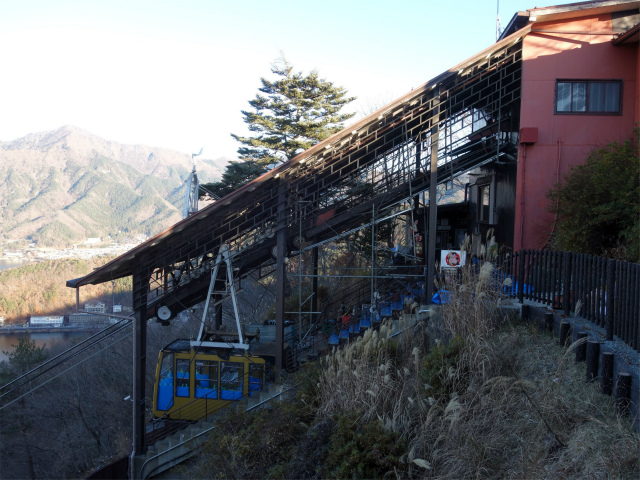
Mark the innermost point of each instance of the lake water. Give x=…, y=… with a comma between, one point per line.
x=66, y=339
x=49, y=339
x=5, y=264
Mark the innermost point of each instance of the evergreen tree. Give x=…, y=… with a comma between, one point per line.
x=598, y=204
x=290, y=115
x=236, y=174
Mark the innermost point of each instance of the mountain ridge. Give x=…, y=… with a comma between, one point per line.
x=62, y=186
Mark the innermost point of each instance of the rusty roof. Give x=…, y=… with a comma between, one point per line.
x=123, y=265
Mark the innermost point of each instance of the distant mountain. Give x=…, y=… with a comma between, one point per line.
x=61, y=187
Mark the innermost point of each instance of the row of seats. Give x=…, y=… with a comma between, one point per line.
x=385, y=309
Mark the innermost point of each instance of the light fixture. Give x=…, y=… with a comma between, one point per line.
x=164, y=313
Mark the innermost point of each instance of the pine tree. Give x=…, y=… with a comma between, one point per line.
x=290, y=115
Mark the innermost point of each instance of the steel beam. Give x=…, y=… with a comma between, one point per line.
x=433, y=204
x=139, y=368
x=281, y=253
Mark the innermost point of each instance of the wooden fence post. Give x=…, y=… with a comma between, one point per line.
x=611, y=275
x=521, y=277
x=548, y=321
x=623, y=393
x=593, y=354
x=606, y=377
x=581, y=350
x=565, y=329
x=566, y=284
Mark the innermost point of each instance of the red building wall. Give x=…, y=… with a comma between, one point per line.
x=565, y=140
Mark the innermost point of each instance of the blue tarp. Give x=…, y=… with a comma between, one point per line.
x=441, y=297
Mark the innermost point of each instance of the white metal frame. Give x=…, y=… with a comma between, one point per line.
x=224, y=255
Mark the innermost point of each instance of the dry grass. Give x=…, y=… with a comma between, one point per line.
x=516, y=404
x=486, y=396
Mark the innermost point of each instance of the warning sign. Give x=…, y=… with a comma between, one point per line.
x=452, y=258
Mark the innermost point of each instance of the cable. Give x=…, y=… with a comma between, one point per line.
x=56, y=376
x=61, y=354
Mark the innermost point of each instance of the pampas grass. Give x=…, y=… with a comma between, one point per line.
x=515, y=407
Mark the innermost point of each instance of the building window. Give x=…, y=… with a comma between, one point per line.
x=484, y=203
x=591, y=97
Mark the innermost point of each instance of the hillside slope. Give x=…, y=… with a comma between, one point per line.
x=60, y=187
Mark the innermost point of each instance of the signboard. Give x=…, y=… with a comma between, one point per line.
x=452, y=258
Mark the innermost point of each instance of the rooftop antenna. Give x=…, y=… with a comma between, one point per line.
x=191, y=192
x=498, y=26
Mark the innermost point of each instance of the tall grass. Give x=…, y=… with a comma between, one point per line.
x=502, y=398
x=472, y=393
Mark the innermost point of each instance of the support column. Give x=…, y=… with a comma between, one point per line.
x=314, y=283
x=433, y=201
x=281, y=253
x=140, y=288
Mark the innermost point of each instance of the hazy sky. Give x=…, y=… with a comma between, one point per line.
x=176, y=74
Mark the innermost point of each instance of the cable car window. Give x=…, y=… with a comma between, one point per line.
x=206, y=379
x=165, y=383
x=182, y=377
x=256, y=377
x=231, y=374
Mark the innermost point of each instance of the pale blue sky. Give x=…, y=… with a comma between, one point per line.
x=176, y=74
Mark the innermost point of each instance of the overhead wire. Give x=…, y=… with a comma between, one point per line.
x=62, y=354
x=61, y=373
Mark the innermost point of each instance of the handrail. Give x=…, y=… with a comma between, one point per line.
x=143, y=476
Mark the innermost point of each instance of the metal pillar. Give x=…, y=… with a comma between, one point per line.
x=433, y=201
x=314, y=281
x=281, y=253
x=139, y=370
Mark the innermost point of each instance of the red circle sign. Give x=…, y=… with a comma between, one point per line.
x=453, y=259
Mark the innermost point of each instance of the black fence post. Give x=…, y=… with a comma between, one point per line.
x=566, y=284
x=609, y=303
x=623, y=393
x=548, y=321
x=521, y=277
x=593, y=354
x=581, y=349
x=606, y=377
x=565, y=329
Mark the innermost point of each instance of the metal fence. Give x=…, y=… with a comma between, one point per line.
x=604, y=291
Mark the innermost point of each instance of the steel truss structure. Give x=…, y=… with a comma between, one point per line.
x=464, y=118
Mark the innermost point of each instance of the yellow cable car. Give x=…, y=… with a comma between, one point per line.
x=192, y=384
x=195, y=378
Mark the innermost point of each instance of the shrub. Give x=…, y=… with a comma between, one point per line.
x=362, y=450
x=440, y=368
